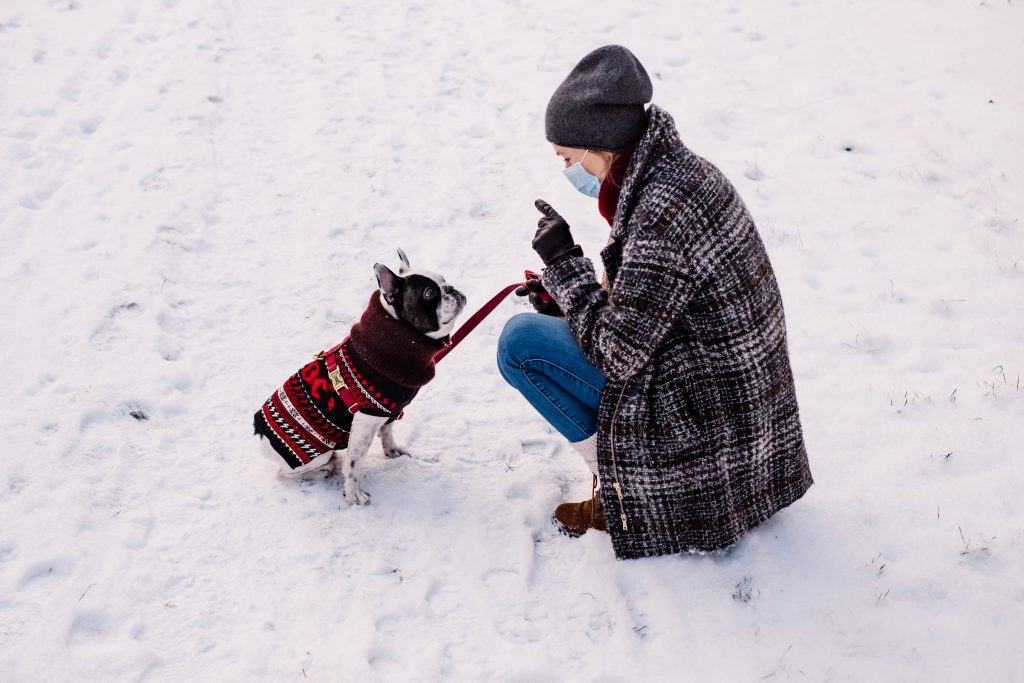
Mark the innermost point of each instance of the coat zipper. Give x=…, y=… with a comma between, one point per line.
x=615, y=466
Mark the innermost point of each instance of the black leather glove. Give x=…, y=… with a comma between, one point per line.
x=545, y=305
x=553, y=241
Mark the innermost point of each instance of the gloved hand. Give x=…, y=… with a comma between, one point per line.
x=533, y=289
x=553, y=241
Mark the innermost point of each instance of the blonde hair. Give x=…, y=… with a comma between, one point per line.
x=608, y=158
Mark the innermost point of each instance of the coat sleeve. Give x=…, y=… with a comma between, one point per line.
x=652, y=289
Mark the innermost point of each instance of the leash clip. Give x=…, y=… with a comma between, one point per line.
x=338, y=382
x=336, y=379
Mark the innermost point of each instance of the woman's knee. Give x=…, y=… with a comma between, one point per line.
x=517, y=335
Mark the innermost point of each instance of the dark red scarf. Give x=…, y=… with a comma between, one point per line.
x=611, y=187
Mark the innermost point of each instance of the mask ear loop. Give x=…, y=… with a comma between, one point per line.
x=580, y=162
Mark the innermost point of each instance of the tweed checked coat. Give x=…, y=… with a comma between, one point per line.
x=698, y=425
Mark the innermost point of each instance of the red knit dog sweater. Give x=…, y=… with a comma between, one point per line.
x=384, y=362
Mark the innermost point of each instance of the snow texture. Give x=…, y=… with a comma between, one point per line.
x=192, y=196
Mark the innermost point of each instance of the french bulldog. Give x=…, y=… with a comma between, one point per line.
x=338, y=403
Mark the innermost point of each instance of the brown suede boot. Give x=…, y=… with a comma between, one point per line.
x=574, y=519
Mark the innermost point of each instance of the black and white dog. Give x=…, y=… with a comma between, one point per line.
x=339, y=402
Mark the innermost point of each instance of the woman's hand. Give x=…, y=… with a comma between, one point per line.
x=553, y=241
x=534, y=288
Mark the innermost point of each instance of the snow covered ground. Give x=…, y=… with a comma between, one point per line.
x=192, y=195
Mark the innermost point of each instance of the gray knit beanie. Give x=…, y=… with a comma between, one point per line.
x=600, y=104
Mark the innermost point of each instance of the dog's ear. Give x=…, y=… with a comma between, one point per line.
x=390, y=284
x=405, y=267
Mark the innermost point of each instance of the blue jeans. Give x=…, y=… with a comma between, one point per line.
x=538, y=355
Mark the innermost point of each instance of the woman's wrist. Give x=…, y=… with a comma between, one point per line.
x=574, y=250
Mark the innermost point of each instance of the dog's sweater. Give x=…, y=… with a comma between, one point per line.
x=384, y=362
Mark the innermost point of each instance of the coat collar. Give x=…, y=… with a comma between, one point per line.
x=660, y=137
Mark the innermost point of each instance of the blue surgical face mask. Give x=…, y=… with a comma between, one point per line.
x=583, y=180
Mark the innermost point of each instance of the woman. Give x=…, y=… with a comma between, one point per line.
x=671, y=378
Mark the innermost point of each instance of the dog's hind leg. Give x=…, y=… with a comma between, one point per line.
x=364, y=429
x=317, y=468
x=387, y=440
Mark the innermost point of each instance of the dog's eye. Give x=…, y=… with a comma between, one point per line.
x=429, y=293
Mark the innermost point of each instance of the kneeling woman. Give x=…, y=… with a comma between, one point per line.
x=672, y=377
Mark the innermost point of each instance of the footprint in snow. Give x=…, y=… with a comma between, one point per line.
x=88, y=627
x=134, y=530
x=43, y=382
x=64, y=5
x=110, y=331
x=154, y=181
x=36, y=199
x=754, y=173
x=89, y=125
x=518, y=491
x=8, y=552
x=45, y=572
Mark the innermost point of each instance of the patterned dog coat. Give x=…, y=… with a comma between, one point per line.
x=384, y=362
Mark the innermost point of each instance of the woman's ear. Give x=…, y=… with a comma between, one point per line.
x=390, y=285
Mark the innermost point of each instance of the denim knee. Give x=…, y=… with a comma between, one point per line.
x=516, y=336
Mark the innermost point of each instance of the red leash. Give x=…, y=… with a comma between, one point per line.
x=479, y=316
x=346, y=394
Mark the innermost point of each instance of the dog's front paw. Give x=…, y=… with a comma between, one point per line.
x=356, y=496
x=396, y=452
